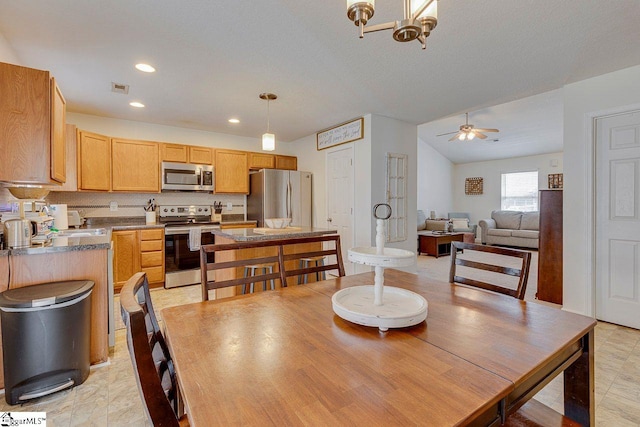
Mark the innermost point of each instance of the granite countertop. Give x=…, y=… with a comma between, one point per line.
x=65, y=244
x=249, y=235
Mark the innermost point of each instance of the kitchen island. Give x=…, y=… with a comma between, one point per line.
x=234, y=235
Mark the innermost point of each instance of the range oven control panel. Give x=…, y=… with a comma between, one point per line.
x=186, y=211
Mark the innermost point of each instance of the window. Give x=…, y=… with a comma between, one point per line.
x=520, y=191
x=397, y=196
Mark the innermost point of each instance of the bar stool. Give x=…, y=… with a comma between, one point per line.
x=250, y=270
x=304, y=263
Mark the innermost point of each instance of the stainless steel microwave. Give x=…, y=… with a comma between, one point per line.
x=186, y=177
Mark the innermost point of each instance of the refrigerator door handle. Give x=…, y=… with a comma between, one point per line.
x=289, y=200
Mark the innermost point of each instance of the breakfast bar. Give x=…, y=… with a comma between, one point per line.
x=236, y=235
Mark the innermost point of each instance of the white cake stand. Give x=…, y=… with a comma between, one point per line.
x=377, y=305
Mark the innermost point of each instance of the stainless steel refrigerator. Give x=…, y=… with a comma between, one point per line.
x=278, y=193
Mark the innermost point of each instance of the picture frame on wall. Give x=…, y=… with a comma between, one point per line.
x=555, y=180
x=473, y=186
x=340, y=134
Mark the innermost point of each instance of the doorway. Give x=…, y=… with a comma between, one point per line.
x=340, y=181
x=617, y=218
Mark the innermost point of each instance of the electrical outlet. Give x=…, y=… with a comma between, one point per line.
x=113, y=206
x=229, y=206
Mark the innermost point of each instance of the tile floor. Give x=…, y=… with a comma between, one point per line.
x=110, y=397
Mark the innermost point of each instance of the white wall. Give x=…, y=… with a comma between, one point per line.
x=435, y=181
x=582, y=101
x=7, y=54
x=480, y=206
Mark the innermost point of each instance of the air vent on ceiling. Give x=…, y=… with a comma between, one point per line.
x=119, y=88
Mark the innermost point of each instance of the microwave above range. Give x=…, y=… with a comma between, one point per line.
x=186, y=177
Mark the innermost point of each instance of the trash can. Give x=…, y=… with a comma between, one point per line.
x=46, y=336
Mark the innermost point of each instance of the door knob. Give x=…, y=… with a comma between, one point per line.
x=329, y=220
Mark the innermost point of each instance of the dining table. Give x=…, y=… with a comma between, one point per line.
x=284, y=358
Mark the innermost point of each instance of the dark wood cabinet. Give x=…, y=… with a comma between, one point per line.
x=550, y=247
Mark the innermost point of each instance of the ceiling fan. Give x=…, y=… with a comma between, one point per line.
x=468, y=132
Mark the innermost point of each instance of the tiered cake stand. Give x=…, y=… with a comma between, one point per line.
x=377, y=305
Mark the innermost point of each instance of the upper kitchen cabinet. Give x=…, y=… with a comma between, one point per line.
x=177, y=153
x=200, y=155
x=135, y=166
x=32, y=127
x=71, y=183
x=94, y=162
x=231, y=174
x=261, y=161
x=180, y=153
x=286, y=162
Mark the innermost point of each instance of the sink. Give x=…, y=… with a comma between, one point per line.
x=83, y=232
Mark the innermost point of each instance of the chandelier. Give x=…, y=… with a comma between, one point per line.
x=420, y=18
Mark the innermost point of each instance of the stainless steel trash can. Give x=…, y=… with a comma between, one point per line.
x=46, y=336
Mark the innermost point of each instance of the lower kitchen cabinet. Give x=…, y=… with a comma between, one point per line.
x=135, y=251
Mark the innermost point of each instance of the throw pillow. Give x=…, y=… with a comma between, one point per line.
x=460, y=223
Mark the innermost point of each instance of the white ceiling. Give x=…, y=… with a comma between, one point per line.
x=214, y=57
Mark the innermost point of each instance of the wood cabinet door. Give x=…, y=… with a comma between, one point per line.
x=135, y=166
x=286, y=162
x=261, y=161
x=94, y=162
x=232, y=172
x=71, y=182
x=126, y=256
x=200, y=155
x=25, y=125
x=174, y=153
x=58, y=134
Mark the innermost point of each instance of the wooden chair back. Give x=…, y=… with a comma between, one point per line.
x=150, y=356
x=522, y=273
x=208, y=263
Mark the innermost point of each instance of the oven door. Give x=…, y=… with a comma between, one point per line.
x=182, y=265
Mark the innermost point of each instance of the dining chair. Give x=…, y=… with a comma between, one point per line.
x=521, y=273
x=152, y=363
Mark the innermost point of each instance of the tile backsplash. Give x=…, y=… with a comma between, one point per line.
x=132, y=204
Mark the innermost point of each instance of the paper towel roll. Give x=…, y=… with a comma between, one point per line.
x=59, y=214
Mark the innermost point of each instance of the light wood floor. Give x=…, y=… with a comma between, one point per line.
x=110, y=397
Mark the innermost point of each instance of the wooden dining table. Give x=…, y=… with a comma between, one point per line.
x=284, y=358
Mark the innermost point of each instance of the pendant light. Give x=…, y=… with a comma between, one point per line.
x=268, y=139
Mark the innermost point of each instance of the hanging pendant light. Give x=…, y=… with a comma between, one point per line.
x=268, y=139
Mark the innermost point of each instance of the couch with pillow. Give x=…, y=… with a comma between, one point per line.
x=511, y=228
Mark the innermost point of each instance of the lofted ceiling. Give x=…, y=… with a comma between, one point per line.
x=213, y=59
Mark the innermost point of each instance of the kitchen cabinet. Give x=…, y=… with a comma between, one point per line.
x=152, y=255
x=180, y=153
x=32, y=127
x=231, y=175
x=135, y=251
x=261, y=161
x=286, y=162
x=94, y=162
x=71, y=183
x=135, y=166
x=177, y=153
x=200, y=155
x=126, y=256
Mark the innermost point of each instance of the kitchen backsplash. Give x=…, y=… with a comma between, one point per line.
x=132, y=204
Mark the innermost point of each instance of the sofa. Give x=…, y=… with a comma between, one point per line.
x=510, y=228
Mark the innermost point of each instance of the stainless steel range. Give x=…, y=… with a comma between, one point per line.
x=183, y=225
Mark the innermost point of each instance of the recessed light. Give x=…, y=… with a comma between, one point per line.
x=137, y=104
x=234, y=121
x=146, y=68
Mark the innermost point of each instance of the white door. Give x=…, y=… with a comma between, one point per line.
x=618, y=219
x=340, y=179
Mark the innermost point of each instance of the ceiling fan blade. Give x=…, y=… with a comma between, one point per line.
x=448, y=133
x=485, y=130
x=454, y=137
x=479, y=134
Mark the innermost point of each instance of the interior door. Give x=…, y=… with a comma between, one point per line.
x=340, y=181
x=618, y=219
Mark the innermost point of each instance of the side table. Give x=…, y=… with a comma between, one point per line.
x=436, y=244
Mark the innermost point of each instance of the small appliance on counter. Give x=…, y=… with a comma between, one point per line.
x=18, y=233
x=74, y=219
x=34, y=228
